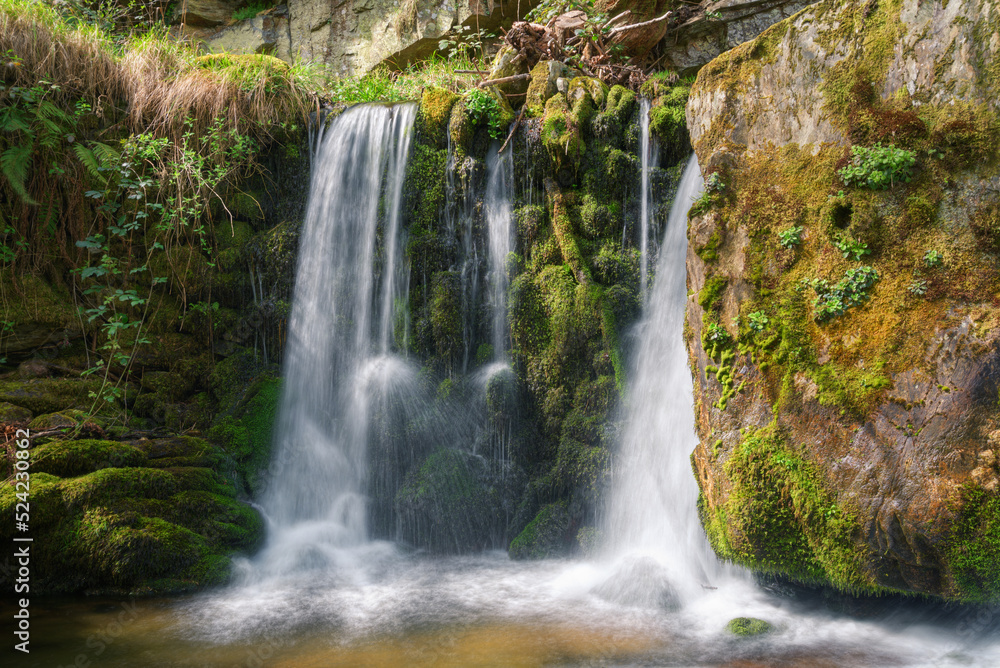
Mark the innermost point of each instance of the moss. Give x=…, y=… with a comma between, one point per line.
x=709, y=251
x=448, y=505
x=972, y=547
x=749, y=626
x=11, y=413
x=446, y=314
x=542, y=86
x=49, y=395
x=667, y=119
x=247, y=431
x=711, y=292
x=434, y=113
x=778, y=517
x=545, y=535
x=620, y=103
x=562, y=132
x=598, y=219
x=73, y=458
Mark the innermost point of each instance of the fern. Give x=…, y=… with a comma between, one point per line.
x=15, y=164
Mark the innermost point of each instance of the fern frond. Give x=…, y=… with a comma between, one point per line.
x=15, y=163
x=89, y=161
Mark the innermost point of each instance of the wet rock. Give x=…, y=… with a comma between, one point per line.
x=11, y=413
x=749, y=626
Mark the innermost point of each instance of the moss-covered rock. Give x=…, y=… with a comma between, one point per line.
x=434, y=115
x=11, y=413
x=545, y=536
x=543, y=84
x=749, y=626
x=453, y=502
x=49, y=395
x=68, y=459
x=109, y=523
x=826, y=315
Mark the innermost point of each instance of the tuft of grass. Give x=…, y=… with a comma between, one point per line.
x=251, y=10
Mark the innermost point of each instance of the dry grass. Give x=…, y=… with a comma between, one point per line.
x=160, y=83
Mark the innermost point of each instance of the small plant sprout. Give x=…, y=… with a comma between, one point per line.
x=714, y=183
x=716, y=332
x=933, y=258
x=918, y=288
x=791, y=237
x=758, y=321
x=850, y=248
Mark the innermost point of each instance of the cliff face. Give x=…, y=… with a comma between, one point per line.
x=843, y=322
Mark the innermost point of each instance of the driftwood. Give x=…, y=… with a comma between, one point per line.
x=517, y=122
x=503, y=80
x=636, y=26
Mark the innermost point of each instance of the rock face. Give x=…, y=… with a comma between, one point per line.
x=844, y=339
x=353, y=36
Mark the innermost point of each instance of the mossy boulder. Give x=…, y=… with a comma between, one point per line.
x=454, y=502
x=545, y=536
x=434, y=114
x=11, y=413
x=749, y=626
x=543, y=84
x=68, y=459
x=49, y=395
x=109, y=523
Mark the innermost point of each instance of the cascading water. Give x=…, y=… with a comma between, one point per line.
x=337, y=356
x=652, y=518
x=499, y=222
x=647, y=156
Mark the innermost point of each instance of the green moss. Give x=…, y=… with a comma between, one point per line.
x=972, y=548
x=749, y=626
x=446, y=314
x=447, y=503
x=73, y=458
x=709, y=252
x=434, y=114
x=711, y=292
x=49, y=395
x=778, y=517
x=562, y=131
x=247, y=431
x=545, y=535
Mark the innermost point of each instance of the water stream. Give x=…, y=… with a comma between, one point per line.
x=323, y=593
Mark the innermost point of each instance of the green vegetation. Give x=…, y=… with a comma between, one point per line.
x=878, y=167
x=790, y=237
x=778, y=517
x=850, y=291
x=485, y=108
x=251, y=9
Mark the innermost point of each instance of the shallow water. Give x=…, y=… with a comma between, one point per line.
x=401, y=609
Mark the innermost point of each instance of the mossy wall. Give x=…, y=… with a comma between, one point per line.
x=846, y=334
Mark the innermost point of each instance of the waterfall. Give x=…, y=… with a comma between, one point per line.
x=647, y=155
x=499, y=222
x=652, y=517
x=338, y=359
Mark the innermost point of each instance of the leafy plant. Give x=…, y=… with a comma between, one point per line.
x=933, y=258
x=717, y=333
x=850, y=248
x=878, y=167
x=714, y=183
x=790, y=237
x=758, y=321
x=485, y=108
x=918, y=288
x=850, y=291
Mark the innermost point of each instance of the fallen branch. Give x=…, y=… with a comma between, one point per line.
x=503, y=80
x=615, y=31
x=513, y=129
x=471, y=72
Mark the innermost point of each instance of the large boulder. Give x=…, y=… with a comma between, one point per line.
x=844, y=337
